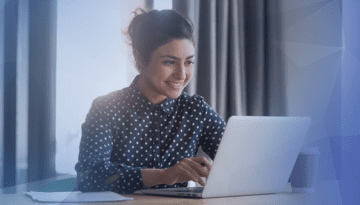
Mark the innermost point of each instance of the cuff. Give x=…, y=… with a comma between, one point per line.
x=130, y=180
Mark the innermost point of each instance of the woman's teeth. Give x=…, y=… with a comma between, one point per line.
x=175, y=85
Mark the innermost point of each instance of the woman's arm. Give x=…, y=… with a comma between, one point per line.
x=94, y=168
x=184, y=171
x=212, y=132
x=152, y=177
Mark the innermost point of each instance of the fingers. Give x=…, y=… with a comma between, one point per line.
x=191, y=173
x=189, y=169
x=202, y=160
x=198, y=168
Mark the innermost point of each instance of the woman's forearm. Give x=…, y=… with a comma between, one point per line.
x=152, y=177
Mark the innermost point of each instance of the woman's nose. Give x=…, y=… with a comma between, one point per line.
x=181, y=72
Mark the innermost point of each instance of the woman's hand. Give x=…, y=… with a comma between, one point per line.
x=186, y=170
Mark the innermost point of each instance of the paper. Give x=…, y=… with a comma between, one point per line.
x=76, y=196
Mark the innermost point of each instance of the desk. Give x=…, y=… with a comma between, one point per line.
x=327, y=193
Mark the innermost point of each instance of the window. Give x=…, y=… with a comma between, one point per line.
x=162, y=4
x=92, y=60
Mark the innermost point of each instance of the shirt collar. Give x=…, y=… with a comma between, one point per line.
x=139, y=103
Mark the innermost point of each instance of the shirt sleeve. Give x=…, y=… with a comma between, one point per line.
x=213, y=130
x=94, y=166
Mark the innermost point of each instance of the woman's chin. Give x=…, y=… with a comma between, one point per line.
x=174, y=95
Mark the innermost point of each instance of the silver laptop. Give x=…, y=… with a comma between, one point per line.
x=256, y=156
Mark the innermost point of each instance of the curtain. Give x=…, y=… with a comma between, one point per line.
x=30, y=51
x=239, y=60
x=239, y=68
x=9, y=92
x=42, y=89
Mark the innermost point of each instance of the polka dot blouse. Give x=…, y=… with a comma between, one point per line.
x=124, y=133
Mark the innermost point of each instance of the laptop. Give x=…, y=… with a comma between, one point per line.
x=256, y=156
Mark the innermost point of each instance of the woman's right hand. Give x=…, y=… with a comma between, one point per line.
x=186, y=170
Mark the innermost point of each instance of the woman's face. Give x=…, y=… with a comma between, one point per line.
x=169, y=71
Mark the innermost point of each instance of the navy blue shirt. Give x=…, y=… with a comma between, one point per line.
x=124, y=133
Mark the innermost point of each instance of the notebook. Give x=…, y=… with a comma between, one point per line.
x=76, y=196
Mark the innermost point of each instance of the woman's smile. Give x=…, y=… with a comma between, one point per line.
x=175, y=85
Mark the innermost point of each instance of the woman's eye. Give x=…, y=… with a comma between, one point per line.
x=168, y=62
x=190, y=62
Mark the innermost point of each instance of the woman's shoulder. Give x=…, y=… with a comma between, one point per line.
x=114, y=97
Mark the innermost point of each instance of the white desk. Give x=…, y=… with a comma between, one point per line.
x=327, y=193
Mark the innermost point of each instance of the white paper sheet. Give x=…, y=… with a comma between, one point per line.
x=76, y=196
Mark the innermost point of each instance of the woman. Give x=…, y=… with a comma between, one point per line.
x=146, y=135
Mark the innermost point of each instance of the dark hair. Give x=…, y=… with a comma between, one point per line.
x=150, y=30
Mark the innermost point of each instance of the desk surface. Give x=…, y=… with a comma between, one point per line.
x=327, y=193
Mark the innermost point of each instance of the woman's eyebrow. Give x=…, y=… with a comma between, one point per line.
x=176, y=58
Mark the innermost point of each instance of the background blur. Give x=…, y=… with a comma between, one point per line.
x=319, y=44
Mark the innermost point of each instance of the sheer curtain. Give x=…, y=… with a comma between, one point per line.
x=28, y=56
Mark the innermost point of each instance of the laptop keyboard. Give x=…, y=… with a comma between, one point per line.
x=191, y=189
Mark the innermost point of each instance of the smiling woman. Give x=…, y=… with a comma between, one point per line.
x=166, y=49
x=146, y=135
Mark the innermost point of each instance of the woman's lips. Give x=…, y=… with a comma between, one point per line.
x=175, y=85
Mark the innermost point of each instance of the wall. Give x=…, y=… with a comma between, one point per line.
x=350, y=101
x=322, y=61
x=313, y=50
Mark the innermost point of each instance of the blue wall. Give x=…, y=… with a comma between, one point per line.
x=350, y=103
x=322, y=62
